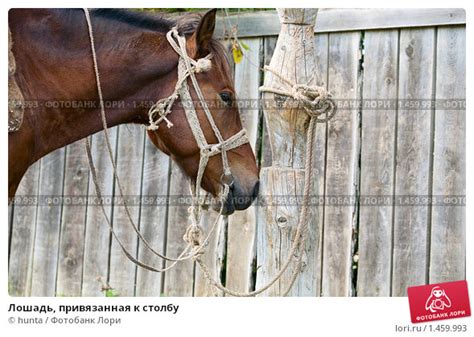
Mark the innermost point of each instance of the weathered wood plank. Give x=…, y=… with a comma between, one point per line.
x=23, y=234
x=413, y=159
x=242, y=225
x=377, y=163
x=179, y=280
x=321, y=46
x=73, y=221
x=448, y=223
x=276, y=237
x=309, y=282
x=269, y=44
x=97, y=234
x=347, y=19
x=213, y=256
x=153, y=216
x=268, y=236
x=341, y=166
x=130, y=145
x=48, y=222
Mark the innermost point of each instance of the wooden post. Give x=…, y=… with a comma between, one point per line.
x=293, y=58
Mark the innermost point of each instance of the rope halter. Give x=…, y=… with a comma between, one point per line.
x=188, y=68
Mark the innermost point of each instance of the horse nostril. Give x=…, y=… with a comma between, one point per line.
x=243, y=198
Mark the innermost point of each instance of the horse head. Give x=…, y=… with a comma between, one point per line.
x=218, y=91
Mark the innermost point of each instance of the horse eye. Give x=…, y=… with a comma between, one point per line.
x=226, y=97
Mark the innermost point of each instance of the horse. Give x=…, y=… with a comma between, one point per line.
x=53, y=59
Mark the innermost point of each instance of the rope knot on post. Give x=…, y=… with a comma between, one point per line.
x=314, y=100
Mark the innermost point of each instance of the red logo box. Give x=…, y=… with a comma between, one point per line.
x=435, y=302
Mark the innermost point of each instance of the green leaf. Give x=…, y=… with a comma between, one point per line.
x=111, y=293
x=244, y=45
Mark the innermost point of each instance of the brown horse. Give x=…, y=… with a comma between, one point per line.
x=54, y=64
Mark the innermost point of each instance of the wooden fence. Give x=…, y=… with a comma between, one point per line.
x=408, y=152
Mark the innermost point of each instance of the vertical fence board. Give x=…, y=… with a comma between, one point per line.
x=341, y=166
x=413, y=159
x=266, y=261
x=73, y=221
x=48, y=221
x=448, y=222
x=315, y=238
x=23, y=234
x=266, y=153
x=178, y=280
x=97, y=235
x=242, y=225
x=268, y=240
x=129, y=169
x=275, y=239
x=213, y=256
x=321, y=45
x=152, y=218
x=377, y=163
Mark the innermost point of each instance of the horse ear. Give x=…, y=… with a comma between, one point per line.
x=205, y=30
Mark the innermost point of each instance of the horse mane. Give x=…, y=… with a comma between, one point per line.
x=186, y=24
x=135, y=18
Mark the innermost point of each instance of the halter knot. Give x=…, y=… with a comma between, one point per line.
x=202, y=65
x=193, y=235
x=162, y=108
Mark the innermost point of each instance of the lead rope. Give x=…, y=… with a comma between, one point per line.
x=193, y=233
x=182, y=256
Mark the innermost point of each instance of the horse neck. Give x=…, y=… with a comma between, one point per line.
x=135, y=67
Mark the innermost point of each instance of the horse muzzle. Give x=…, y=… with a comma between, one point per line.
x=239, y=198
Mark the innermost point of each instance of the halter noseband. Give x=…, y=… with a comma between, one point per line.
x=187, y=67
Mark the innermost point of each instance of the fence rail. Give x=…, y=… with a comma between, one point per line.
x=354, y=250
x=332, y=20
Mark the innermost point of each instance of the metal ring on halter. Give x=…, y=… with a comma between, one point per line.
x=227, y=179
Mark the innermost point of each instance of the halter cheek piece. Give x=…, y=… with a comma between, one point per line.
x=187, y=68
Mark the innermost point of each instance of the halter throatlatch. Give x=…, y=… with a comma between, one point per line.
x=188, y=68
